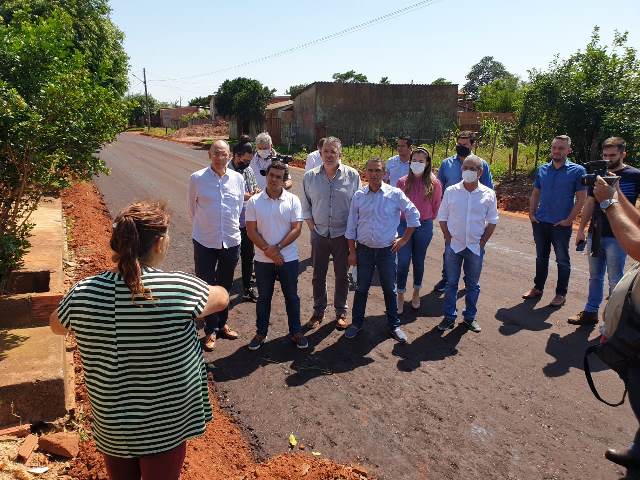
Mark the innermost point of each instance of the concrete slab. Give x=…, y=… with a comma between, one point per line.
x=33, y=386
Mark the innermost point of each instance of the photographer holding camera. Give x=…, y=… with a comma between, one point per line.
x=623, y=306
x=606, y=255
x=265, y=154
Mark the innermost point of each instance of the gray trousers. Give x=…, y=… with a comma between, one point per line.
x=321, y=249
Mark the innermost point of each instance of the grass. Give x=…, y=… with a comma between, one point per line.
x=357, y=156
x=160, y=131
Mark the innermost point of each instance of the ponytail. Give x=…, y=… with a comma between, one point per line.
x=136, y=229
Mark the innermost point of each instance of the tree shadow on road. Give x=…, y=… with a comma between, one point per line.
x=524, y=317
x=431, y=347
x=568, y=352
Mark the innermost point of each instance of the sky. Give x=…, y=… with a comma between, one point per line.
x=189, y=48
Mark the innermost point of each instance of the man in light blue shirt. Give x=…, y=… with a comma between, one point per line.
x=398, y=165
x=450, y=173
x=215, y=200
x=374, y=216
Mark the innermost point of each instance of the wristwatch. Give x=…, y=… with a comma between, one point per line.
x=607, y=203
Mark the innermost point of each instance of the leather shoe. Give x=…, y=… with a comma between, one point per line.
x=210, y=342
x=315, y=321
x=558, y=301
x=622, y=457
x=533, y=293
x=341, y=321
x=227, y=333
x=584, y=318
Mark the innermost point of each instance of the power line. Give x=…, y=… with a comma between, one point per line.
x=361, y=26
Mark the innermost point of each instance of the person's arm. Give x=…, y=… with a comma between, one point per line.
x=581, y=196
x=306, y=203
x=436, y=197
x=398, y=243
x=386, y=177
x=352, y=231
x=486, y=235
x=217, y=301
x=288, y=183
x=352, y=258
x=486, y=178
x=412, y=216
x=534, y=199
x=587, y=213
x=54, y=323
x=491, y=219
x=445, y=231
x=191, y=198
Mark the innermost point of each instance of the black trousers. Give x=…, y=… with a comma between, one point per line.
x=215, y=266
x=247, y=251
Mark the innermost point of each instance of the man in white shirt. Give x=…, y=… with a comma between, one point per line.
x=468, y=216
x=398, y=165
x=263, y=158
x=314, y=159
x=274, y=222
x=215, y=200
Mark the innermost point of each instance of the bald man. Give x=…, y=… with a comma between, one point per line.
x=215, y=200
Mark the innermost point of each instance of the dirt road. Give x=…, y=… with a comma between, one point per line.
x=508, y=403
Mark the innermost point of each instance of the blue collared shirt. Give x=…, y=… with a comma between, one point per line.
x=395, y=169
x=558, y=187
x=450, y=173
x=214, y=205
x=374, y=216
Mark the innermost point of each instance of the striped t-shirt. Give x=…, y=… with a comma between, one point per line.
x=143, y=363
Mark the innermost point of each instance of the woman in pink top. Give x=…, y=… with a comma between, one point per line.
x=425, y=191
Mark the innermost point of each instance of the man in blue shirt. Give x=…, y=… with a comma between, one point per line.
x=610, y=257
x=398, y=165
x=557, y=197
x=450, y=173
x=372, y=235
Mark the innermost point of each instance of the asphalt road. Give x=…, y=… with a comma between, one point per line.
x=510, y=402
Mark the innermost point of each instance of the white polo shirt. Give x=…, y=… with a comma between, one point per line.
x=313, y=160
x=467, y=215
x=214, y=205
x=274, y=219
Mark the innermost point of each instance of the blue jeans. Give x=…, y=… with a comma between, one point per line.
x=471, y=264
x=385, y=261
x=216, y=267
x=545, y=235
x=416, y=250
x=265, y=281
x=611, y=259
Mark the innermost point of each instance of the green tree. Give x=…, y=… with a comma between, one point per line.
x=136, y=105
x=441, y=81
x=294, y=90
x=349, y=77
x=62, y=77
x=483, y=73
x=589, y=96
x=200, y=101
x=244, y=98
x=503, y=94
x=385, y=81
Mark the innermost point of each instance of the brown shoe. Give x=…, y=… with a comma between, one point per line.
x=210, y=342
x=533, y=293
x=227, y=333
x=315, y=321
x=584, y=318
x=558, y=301
x=341, y=321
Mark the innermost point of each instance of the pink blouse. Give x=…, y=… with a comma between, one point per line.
x=428, y=207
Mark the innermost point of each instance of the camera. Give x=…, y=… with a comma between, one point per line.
x=595, y=168
x=279, y=157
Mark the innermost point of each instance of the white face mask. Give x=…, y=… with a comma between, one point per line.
x=264, y=153
x=417, y=168
x=469, y=176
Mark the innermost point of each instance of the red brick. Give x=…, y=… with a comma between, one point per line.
x=26, y=449
x=63, y=444
x=16, y=431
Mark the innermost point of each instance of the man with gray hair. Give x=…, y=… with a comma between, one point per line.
x=556, y=199
x=468, y=216
x=327, y=193
x=262, y=159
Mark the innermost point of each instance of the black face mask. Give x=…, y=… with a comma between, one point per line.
x=463, y=151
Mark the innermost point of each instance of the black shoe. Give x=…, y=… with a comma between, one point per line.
x=250, y=295
x=440, y=286
x=622, y=457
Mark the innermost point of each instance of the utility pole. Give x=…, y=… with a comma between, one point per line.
x=146, y=98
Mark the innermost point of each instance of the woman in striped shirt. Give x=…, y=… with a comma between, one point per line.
x=143, y=363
